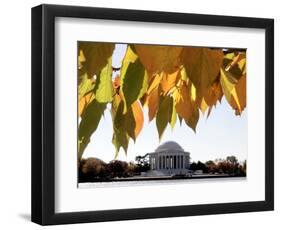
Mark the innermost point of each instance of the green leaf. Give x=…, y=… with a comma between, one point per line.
x=96, y=56
x=120, y=136
x=89, y=123
x=173, y=119
x=164, y=114
x=193, y=120
x=227, y=85
x=229, y=55
x=103, y=87
x=131, y=122
x=202, y=66
x=85, y=86
x=134, y=79
x=120, y=139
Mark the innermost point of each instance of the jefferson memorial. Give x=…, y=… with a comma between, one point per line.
x=169, y=159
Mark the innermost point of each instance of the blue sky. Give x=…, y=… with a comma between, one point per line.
x=220, y=135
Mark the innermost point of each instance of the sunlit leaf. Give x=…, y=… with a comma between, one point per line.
x=133, y=76
x=126, y=125
x=120, y=139
x=81, y=59
x=154, y=82
x=183, y=103
x=164, y=114
x=89, y=123
x=238, y=99
x=95, y=55
x=169, y=81
x=183, y=73
x=193, y=119
x=235, y=61
x=84, y=101
x=193, y=92
x=138, y=117
x=203, y=106
x=173, y=82
x=132, y=121
x=157, y=58
x=202, y=66
x=85, y=85
x=153, y=103
x=229, y=55
x=173, y=118
x=103, y=87
x=226, y=84
x=213, y=94
x=234, y=70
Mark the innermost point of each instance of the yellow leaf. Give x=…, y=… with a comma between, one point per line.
x=173, y=118
x=81, y=59
x=164, y=114
x=182, y=98
x=158, y=58
x=169, y=81
x=213, y=94
x=134, y=78
x=242, y=65
x=203, y=106
x=153, y=103
x=183, y=73
x=202, y=66
x=154, y=82
x=193, y=119
x=138, y=116
x=235, y=61
x=226, y=84
x=84, y=101
x=238, y=99
x=193, y=92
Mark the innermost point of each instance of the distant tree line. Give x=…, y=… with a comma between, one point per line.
x=94, y=169
x=230, y=166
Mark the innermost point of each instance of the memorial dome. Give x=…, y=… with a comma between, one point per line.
x=169, y=146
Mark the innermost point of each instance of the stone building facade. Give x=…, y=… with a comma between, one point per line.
x=169, y=159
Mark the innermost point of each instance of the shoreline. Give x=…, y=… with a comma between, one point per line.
x=161, y=178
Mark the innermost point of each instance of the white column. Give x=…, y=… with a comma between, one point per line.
x=180, y=161
x=156, y=162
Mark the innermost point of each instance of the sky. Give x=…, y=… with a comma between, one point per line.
x=220, y=135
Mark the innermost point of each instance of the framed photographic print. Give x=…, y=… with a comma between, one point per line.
x=143, y=114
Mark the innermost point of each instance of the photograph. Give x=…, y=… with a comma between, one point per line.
x=144, y=114
x=149, y=112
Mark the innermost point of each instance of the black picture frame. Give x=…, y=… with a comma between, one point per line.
x=43, y=114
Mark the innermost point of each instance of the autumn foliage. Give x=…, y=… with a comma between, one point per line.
x=173, y=82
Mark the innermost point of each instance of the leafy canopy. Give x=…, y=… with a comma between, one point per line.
x=173, y=82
